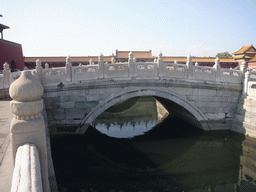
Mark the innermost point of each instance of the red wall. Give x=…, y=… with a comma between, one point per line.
x=11, y=51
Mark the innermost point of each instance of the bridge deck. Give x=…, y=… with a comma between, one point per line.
x=5, y=151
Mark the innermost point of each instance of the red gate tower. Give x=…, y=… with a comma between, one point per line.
x=10, y=52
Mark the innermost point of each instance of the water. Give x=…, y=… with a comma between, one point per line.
x=169, y=156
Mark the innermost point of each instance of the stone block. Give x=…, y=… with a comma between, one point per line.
x=105, y=91
x=56, y=114
x=206, y=98
x=234, y=99
x=97, y=97
x=77, y=113
x=52, y=102
x=67, y=105
x=211, y=92
x=212, y=104
x=51, y=94
x=72, y=98
x=215, y=116
x=86, y=105
x=181, y=91
x=217, y=109
x=228, y=93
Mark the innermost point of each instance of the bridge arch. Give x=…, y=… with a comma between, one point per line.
x=157, y=92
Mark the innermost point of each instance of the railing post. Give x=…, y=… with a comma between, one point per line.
x=39, y=69
x=160, y=65
x=28, y=125
x=101, y=66
x=6, y=74
x=217, y=70
x=190, y=67
x=113, y=60
x=131, y=65
x=246, y=81
x=244, y=68
x=46, y=66
x=69, y=68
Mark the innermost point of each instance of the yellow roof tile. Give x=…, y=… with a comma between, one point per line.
x=245, y=49
x=136, y=54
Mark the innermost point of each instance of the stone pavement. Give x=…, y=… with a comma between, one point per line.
x=5, y=151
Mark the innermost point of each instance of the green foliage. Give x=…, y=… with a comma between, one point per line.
x=224, y=55
x=60, y=85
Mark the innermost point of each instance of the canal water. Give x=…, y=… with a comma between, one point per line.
x=138, y=145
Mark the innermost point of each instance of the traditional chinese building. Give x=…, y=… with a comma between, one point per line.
x=247, y=54
x=10, y=52
x=122, y=56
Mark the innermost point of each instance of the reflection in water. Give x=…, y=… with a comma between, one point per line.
x=131, y=118
x=173, y=156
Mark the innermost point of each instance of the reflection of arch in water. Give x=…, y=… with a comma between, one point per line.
x=198, y=117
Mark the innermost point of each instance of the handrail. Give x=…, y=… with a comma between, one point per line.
x=127, y=70
x=27, y=170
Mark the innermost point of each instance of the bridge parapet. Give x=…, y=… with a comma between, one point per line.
x=127, y=70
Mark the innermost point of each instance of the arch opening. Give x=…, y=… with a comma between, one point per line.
x=175, y=104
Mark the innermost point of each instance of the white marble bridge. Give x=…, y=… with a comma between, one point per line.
x=211, y=98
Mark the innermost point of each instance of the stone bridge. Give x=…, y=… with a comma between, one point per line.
x=75, y=96
x=210, y=98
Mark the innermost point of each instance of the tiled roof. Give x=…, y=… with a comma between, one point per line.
x=242, y=57
x=199, y=59
x=63, y=59
x=244, y=49
x=253, y=59
x=136, y=54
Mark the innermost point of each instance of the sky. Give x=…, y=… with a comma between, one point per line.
x=91, y=27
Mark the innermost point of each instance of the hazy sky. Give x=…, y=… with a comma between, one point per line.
x=91, y=27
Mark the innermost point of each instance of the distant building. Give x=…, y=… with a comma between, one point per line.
x=10, y=52
x=247, y=54
x=122, y=56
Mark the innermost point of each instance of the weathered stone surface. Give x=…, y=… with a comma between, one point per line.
x=206, y=101
x=67, y=105
x=86, y=105
x=204, y=92
x=72, y=98
x=207, y=98
x=215, y=116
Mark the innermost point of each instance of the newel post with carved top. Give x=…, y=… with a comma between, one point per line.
x=217, y=68
x=131, y=64
x=6, y=74
x=28, y=125
x=101, y=66
x=39, y=69
x=68, y=68
x=160, y=65
x=190, y=67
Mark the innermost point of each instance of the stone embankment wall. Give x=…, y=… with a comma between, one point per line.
x=244, y=119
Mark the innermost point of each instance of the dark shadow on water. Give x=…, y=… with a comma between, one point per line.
x=173, y=156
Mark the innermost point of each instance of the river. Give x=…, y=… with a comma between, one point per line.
x=137, y=145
